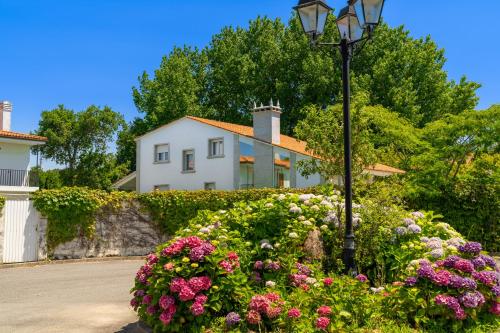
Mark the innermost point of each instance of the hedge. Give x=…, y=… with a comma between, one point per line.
x=172, y=210
x=71, y=211
x=2, y=203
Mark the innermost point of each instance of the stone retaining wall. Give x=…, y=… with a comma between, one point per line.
x=123, y=232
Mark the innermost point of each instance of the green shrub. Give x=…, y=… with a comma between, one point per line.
x=172, y=210
x=2, y=203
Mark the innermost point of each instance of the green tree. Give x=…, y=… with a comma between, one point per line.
x=79, y=140
x=323, y=132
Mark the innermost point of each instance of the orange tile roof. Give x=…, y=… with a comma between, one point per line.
x=286, y=142
x=22, y=136
x=251, y=160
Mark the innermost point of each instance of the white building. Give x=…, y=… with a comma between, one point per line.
x=15, y=148
x=195, y=153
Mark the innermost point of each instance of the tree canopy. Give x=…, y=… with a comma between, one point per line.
x=79, y=141
x=272, y=60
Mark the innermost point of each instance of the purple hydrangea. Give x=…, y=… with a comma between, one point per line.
x=456, y=281
x=468, y=283
x=450, y=261
x=488, y=278
x=496, y=290
x=434, y=243
x=418, y=215
x=472, y=299
x=232, y=319
x=488, y=260
x=452, y=303
x=273, y=266
x=470, y=247
x=415, y=229
x=303, y=269
x=408, y=221
x=425, y=271
x=411, y=281
x=478, y=263
x=401, y=231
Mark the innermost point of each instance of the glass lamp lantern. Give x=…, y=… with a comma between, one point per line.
x=313, y=15
x=348, y=24
x=369, y=11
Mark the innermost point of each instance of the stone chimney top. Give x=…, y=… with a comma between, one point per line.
x=266, y=122
x=5, y=115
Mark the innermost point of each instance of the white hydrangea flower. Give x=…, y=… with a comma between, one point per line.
x=205, y=230
x=305, y=197
x=302, y=218
x=377, y=290
x=326, y=203
x=307, y=223
x=311, y=280
x=315, y=208
x=295, y=210
x=324, y=227
x=293, y=235
x=281, y=197
x=270, y=284
x=269, y=205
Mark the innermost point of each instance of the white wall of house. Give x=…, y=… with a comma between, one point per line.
x=14, y=156
x=181, y=135
x=302, y=181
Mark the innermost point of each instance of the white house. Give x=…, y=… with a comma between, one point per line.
x=15, y=177
x=194, y=153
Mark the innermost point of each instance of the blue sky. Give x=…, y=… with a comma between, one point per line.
x=79, y=52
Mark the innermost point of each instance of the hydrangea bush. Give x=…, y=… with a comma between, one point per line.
x=247, y=270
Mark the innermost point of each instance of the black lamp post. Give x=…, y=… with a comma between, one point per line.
x=358, y=17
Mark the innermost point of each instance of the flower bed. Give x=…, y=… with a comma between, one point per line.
x=248, y=269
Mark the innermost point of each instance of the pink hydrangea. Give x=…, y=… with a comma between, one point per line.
x=324, y=311
x=186, y=294
x=200, y=298
x=166, y=301
x=147, y=299
x=361, y=278
x=297, y=279
x=294, y=313
x=464, y=266
x=232, y=256
x=192, y=242
x=259, y=303
x=442, y=278
x=253, y=317
x=134, y=303
x=227, y=266
x=168, y=266
x=273, y=312
x=166, y=317
x=198, y=284
x=327, y=281
x=151, y=310
x=322, y=323
x=495, y=308
x=259, y=265
x=197, y=309
x=177, y=284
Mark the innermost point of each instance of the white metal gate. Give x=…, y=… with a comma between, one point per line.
x=20, y=232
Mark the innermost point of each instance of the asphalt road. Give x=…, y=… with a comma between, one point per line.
x=72, y=297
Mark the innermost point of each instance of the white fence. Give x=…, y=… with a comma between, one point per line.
x=20, y=237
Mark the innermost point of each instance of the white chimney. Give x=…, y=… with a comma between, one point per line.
x=266, y=123
x=5, y=113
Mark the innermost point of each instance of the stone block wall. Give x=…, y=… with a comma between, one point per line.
x=123, y=232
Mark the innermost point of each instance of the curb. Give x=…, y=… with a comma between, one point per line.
x=69, y=261
x=142, y=328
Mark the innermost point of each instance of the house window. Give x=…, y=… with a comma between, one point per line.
x=216, y=147
x=210, y=186
x=188, y=160
x=162, y=153
x=161, y=188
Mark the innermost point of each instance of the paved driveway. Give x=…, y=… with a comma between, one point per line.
x=72, y=297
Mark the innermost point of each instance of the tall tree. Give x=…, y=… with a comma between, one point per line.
x=79, y=141
x=323, y=132
x=269, y=59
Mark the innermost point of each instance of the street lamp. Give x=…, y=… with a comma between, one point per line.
x=353, y=21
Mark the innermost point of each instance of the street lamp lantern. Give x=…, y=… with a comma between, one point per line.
x=313, y=15
x=369, y=11
x=359, y=16
x=348, y=24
